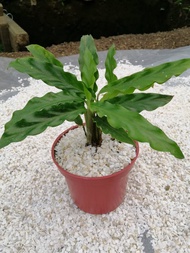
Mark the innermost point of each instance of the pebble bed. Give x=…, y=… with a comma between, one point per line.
x=91, y=161
x=38, y=215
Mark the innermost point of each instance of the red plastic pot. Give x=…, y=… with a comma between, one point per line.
x=96, y=195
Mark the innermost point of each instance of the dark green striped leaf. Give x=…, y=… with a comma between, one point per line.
x=137, y=127
x=39, y=113
x=144, y=79
x=49, y=73
x=141, y=101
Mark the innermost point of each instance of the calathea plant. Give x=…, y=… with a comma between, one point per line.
x=114, y=109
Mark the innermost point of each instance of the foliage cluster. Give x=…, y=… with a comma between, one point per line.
x=114, y=109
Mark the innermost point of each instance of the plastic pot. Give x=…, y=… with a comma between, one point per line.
x=96, y=195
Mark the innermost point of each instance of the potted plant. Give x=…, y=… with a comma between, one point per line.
x=114, y=110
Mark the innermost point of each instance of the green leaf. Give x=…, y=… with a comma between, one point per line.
x=79, y=121
x=49, y=73
x=88, y=69
x=87, y=41
x=43, y=55
x=137, y=127
x=88, y=93
x=144, y=79
x=141, y=101
x=87, y=47
x=117, y=133
x=110, y=64
x=39, y=113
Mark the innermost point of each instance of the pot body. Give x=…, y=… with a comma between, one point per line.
x=96, y=195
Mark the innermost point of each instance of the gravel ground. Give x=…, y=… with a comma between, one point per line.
x=38, y=215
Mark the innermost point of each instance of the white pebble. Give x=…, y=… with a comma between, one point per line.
x=38, y=215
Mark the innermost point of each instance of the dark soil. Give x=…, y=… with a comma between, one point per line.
x=160, y=40
x=57, y=21
x=138, y=24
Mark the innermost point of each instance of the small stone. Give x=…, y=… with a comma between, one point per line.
x=167, y=187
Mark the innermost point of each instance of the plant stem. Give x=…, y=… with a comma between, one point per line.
x=93, y=133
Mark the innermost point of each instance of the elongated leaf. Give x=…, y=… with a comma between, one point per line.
x=110, y=64
x=88, y=69
x=39, y=113
x=42, y=54
x=117, y=133
x=87, y=41
x=87, y=44
x=137, y=127
x=144, y=79
x=141, y=101
x=51, y=74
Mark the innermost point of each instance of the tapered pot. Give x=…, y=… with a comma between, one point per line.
x=96, y=195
